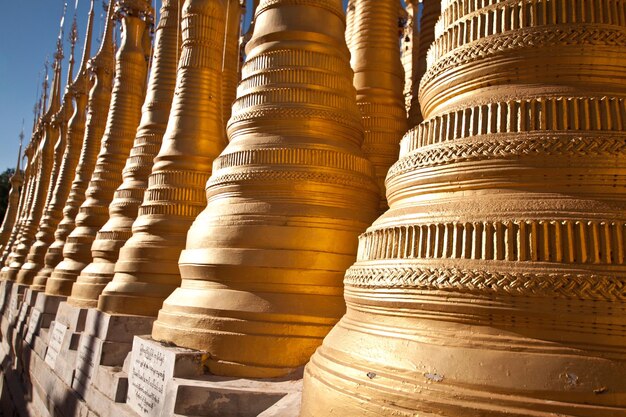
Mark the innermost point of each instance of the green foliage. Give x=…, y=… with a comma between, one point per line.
x=5, y=187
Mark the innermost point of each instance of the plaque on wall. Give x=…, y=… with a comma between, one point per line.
x=56, y=341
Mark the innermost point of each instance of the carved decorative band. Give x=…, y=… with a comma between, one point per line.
x=290, y=58
x=131, y=193
x=558, y=241
x=330, y=5
x=179, y=210
x=294, y=156
x=524, y=38
x=466, y=150
x=180, y=195
x=541, y=114
x=285, y=113
x=178, y=178
x=353, y=181
x=295, y=76
x=548, y=285
x=117, y=235
x=292, y=95
x=478, y=20
x=139, y=161
x=93, y=211
x=201, y=55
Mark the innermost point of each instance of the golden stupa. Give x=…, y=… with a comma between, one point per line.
x=25, y=194
x=147, y=269
x=287, y=198
x=234, y=214
x=123, y=119
x=129, y=195
x=44, y=169
x=494, y=284
x=378, y=78
x=101, y=69
x=72, y=131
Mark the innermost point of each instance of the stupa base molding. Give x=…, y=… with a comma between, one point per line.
x=72, y=317
x=46, y=307
x=189, y=390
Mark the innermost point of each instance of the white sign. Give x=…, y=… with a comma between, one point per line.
x=21, y=319
x=57, y=335
x=13, y=308
x=146, y=380
x=86, y=356
x=33, y=326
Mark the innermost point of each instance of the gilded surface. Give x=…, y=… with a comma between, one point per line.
x=378, y=78
x=72, y=129
x=147, y=269
x=43, y=174
x=129, y=195
x=262, y=268
x=24, y=196
x=494, y=284
x=123, y=119
x=101, y=69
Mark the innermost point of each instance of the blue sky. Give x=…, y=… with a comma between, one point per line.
x=28, y=37
x=29, y=32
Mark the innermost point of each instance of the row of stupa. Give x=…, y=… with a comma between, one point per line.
x=386, y=210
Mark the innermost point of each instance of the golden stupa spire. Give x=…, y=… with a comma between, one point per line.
x=55, y=95
x=73, y=38
x=102, y=67
x=175, y=194
x=378, y=79
x=19, y=152
x=81, y=74
x=124, y=115
x=230, y=57
x=8, y=247
x=72, y=134
x=130, y=193
x=37, y=104
x=45, y=85
x=431, y=9
x=59, y=121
